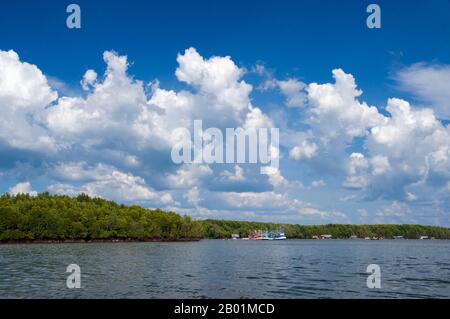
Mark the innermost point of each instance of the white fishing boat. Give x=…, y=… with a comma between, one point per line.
x=280, y=235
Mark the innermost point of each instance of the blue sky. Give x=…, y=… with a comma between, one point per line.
x=345, y=157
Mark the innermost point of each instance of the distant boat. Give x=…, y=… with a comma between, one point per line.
x=424, y=237
x=257, y=235
x=280, y=235
x=267, y=235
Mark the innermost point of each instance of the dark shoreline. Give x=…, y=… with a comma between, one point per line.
x=96, y=241
x=165, y=240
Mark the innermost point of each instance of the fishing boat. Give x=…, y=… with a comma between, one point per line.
x=257, y=235
x=267, y=235
x=280, y=235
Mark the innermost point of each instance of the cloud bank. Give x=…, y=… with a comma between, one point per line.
x=114, y=141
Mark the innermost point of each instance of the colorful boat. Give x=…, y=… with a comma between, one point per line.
x=257, y=235
x=267, y=235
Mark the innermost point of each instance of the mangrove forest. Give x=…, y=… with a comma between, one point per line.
x=46, y=217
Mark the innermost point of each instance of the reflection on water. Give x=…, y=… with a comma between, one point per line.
x=228, y=269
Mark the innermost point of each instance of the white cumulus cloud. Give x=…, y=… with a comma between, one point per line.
x=22, y=188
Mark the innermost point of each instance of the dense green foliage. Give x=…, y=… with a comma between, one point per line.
x=224, y=229
x=46, y=217
x=25, y=217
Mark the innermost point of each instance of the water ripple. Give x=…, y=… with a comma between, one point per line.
x=228, y=269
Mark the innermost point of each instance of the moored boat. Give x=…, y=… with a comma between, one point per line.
x=280, y=235
x=267, y=235
x=257, y=235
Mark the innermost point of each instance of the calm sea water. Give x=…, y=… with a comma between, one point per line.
x=228, y=269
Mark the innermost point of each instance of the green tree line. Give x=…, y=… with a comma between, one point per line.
x=45, y=216
x=224, y=229
x=57, y=217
